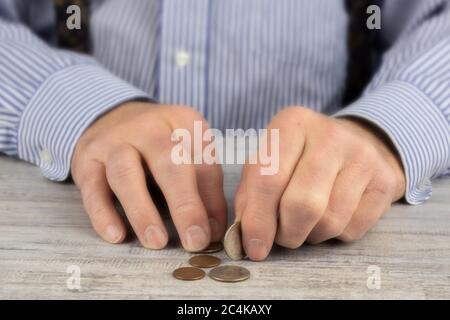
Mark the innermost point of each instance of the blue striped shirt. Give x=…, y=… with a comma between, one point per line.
x=237, y=62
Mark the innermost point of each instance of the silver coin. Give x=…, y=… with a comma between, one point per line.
x=229, y=274
x=232, y=242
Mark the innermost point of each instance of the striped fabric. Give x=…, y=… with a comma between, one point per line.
x=237, y=62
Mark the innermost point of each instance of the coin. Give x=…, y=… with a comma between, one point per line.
x=213, y=247
x=188, y=273
x=204, y=261
x=233, y=243
x=229, y=274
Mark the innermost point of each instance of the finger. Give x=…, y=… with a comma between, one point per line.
x=346, y=194
x=306, y=197
x=240, y=198
x=375, y=202
x=263, y=192
x=344, y=199
x=126, y=177
x=178, y=183
x=210, y=182
x=97, y=199
x=210, y=188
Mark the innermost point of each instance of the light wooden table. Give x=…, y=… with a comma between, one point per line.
x=43, y=231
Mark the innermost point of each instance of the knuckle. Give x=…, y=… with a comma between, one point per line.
x=98, y=211
x=122, y=164
x=313, y=206
x=136, y=211
x=289, y=205
x=92, y=146
x=390, y=182
x=82, y=174
x=290, y=226
x=122, y=169
x=364, y=156
x=266, y=185
x=161, y=138
x=290, y=236
x=289, y=241
x=331, y=227
x=333, y=132
x=85, y=155
x=295, y=214
x=384, y=186
x=186, y=207
x=154, y=124
x=390, y=178
x=362, y=160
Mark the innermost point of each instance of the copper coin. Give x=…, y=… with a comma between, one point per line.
x=212, y=248
x=189, y=273
x=204, y=261
x=232, y=242
x=229, y=274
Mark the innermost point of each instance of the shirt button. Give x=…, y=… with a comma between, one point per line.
x=45, y=156
x=182, y=58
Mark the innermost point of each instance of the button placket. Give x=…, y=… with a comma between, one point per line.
x=183, y=62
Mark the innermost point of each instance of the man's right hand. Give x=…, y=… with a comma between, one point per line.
x=112, y=156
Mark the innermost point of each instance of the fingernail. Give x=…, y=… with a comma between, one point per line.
x=113, y=234
x=196, y=238
x=257, y=249
x=215, y=228
x=154, y=237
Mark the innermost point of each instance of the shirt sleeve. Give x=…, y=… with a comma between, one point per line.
x=48, y=97
x=409, y=97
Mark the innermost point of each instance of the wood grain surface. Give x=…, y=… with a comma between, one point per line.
x=44, y=230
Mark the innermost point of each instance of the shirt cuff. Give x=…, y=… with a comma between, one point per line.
x=416, y=127
x=63, y=107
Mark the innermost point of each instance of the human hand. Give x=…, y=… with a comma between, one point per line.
x=336, y=178
x=112, y=157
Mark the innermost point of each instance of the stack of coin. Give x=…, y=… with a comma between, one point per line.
x=228, y=273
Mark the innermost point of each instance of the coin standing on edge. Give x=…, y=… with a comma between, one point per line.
x=212, y=248
x=188, y=273
x=232, y=242
x=229, y=274
x=204, y=261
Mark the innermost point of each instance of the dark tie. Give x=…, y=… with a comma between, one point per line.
x=75, y=39
x=361, y=47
